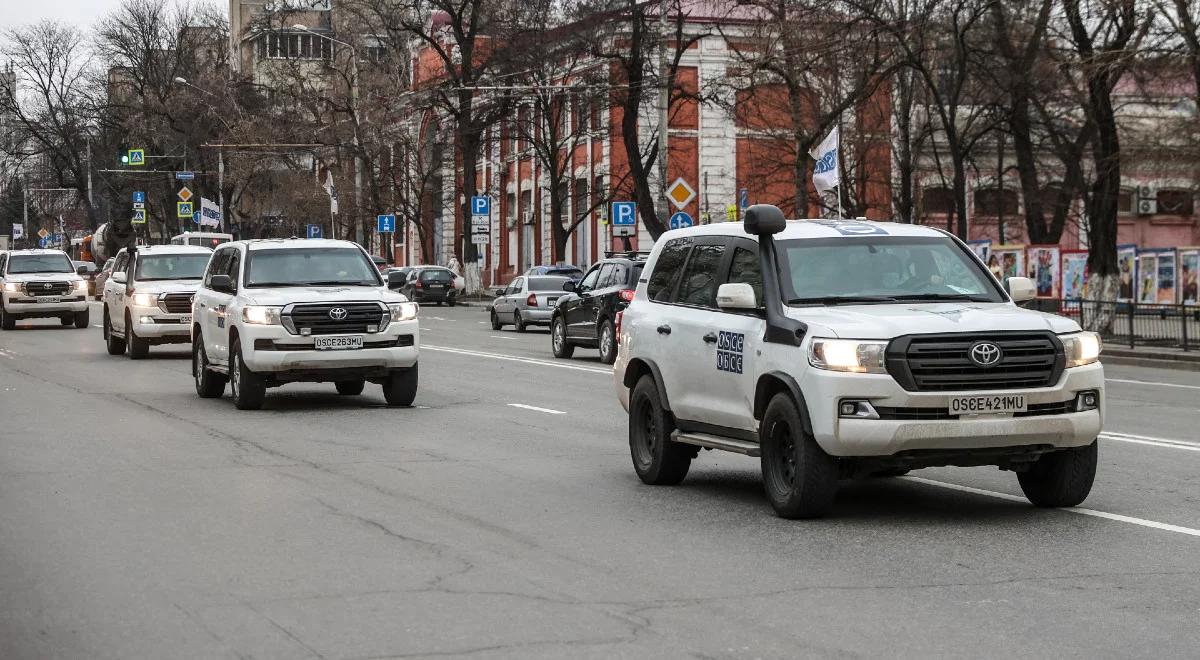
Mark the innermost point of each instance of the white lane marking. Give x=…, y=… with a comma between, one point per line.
x=548, y=411
x=101, y=326
x=501, y=337
x=1151, y=383
x=1148, y=440
x=515, y=358
x=1081, y=511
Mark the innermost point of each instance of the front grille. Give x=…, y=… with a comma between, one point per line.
x=938, y=363
x=47, y=288
x=928, y=414
x=316, y=318
x=177, y=303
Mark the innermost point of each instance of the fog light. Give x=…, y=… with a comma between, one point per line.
x=857, y=409
x=1089, y=400
x=146, y=319
x=371, y=329
x=304, y=332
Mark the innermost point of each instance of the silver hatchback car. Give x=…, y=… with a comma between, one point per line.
x=527, y=300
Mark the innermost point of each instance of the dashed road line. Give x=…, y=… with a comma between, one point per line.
x=1149, y=440
x=1153, y=524
x=502, y=337
x=516, y=358
x=1151, y=383
x=548, y=411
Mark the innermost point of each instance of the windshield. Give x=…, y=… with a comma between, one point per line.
x=310, y=267
x=39, y=263
x=547, y=283
x=171, y=267
x=880, y=269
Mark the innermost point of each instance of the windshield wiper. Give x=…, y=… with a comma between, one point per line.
x=339, y=283
x=967, y=297
x=840, y=300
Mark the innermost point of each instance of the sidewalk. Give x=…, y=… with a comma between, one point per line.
x=1151, y=356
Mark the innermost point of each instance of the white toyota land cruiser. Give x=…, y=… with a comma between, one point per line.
x=36, y=284
x=834, y=349
x=271, y=312
x=148, y=297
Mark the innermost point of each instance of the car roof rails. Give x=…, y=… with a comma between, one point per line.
x=628, y=254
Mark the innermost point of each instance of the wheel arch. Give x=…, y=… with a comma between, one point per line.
x=639, y=367
x=775, y=382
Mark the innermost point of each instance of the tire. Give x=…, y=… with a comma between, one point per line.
x=7, y=321
x=450, y=301
x=657, y=460
x=800, y=479
x=249, y=389
x=607, y=342
x=519, y=322
x=400, y=389
x=558, y=339
x=115, y=344
x=496, y=324
x=82, y=319
x=350, y=387
x=1062, y=478
x=67, y=321
x=138, y=348
x=209, y=384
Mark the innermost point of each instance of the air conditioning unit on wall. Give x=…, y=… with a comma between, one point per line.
x=1147, y=202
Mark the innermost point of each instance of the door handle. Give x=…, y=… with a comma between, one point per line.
x=711, y=338
x=664, y=329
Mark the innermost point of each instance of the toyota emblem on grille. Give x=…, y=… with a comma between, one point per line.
x=338, y=313
x=984, y=353
x=47, y=285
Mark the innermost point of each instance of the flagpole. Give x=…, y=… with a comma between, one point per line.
x=839, y=166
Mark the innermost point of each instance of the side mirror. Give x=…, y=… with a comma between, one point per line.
x=1021, y=289
x=736, y=295
x=222, y=283
x=81, y=270
x=119, y=278
x=570, y=287
x=498, y=292
x=396, y=280
x=764, y=219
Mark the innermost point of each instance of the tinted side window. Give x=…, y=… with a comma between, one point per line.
x=667, y=269
x=699, y=284
x=620, y=273
x=606, y=276
x=517, y=285
x=235, y=265
x=218, y=265
x=745, y=267
x=3, y=262
x=589, y=281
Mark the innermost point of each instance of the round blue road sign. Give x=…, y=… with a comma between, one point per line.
x=680, y=220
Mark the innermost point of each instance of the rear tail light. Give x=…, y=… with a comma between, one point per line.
x=531, y=300
x=418, y=285
x=626, y=295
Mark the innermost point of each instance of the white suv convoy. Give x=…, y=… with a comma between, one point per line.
x=148, y=297
x=271, y=312
x=41, y=284
x=838, y=349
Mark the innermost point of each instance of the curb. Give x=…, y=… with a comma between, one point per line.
x=1159, y=360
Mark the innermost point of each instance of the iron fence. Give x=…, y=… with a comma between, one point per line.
x=1131, y=323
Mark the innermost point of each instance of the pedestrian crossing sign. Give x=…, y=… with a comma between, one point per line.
x=139, y=217
x=184, y=210
x=137, y=156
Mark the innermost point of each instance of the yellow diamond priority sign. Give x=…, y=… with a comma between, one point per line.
x=681, y=193
x=185, y=194
x=43, y=233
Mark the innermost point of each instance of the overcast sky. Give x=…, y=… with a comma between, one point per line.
x=81, y=12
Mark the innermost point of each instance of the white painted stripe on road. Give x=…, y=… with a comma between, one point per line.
x=548, y=411
x=1153, y=524
x=1151, y=383
x=502, y=337
x=1147, y=440
x=517, y=358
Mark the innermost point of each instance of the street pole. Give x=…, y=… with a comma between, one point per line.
x=221, y=187
x=664, y=100
x=358, y=228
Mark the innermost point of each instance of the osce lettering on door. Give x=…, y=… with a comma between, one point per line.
x=729, y=351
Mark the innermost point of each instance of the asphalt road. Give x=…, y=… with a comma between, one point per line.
x=500, y=517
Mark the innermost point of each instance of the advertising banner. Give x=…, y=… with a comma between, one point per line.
x=1011, y=259
x=1074, y=276
x=1127, y=271
x=1044, y=263
x=1189, y=275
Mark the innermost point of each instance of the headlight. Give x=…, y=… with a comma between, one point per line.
x=405, y=311
x=260, y=315
x=145, y=300
x=81, y=285
x=12, y=287
x=1081, y=348
x=848, y=355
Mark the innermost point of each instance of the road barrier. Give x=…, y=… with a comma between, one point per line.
x=1131, y=323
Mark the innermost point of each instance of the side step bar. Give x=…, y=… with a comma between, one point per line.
x=718, y=442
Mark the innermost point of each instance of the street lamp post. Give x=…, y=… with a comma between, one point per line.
x=220, y=152
x=358, y=230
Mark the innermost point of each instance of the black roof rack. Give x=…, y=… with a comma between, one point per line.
x=628, y=254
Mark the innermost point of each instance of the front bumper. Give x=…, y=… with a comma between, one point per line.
x=838, y=436
x=153, y=323
x=20, y=304
x=272, y=349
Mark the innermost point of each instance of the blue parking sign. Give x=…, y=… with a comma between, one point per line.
x=624, y=213
x=314, y=231
x=387, y=223
x=481, y=205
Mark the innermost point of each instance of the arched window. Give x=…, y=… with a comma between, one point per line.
x=996, y=201
x=937, y=199
x=1176, y=202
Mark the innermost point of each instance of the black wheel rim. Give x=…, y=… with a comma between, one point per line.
x=645, y=440
x=783, y=459
x=235, y=375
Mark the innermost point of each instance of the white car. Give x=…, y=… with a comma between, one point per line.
x=271, y=312
x=148, y=297
x=41, y=284
x=836, y=349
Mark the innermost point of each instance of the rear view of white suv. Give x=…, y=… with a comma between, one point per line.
x=271, y=312
x=836, y=349
x=41, y=284
x=148, y=297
